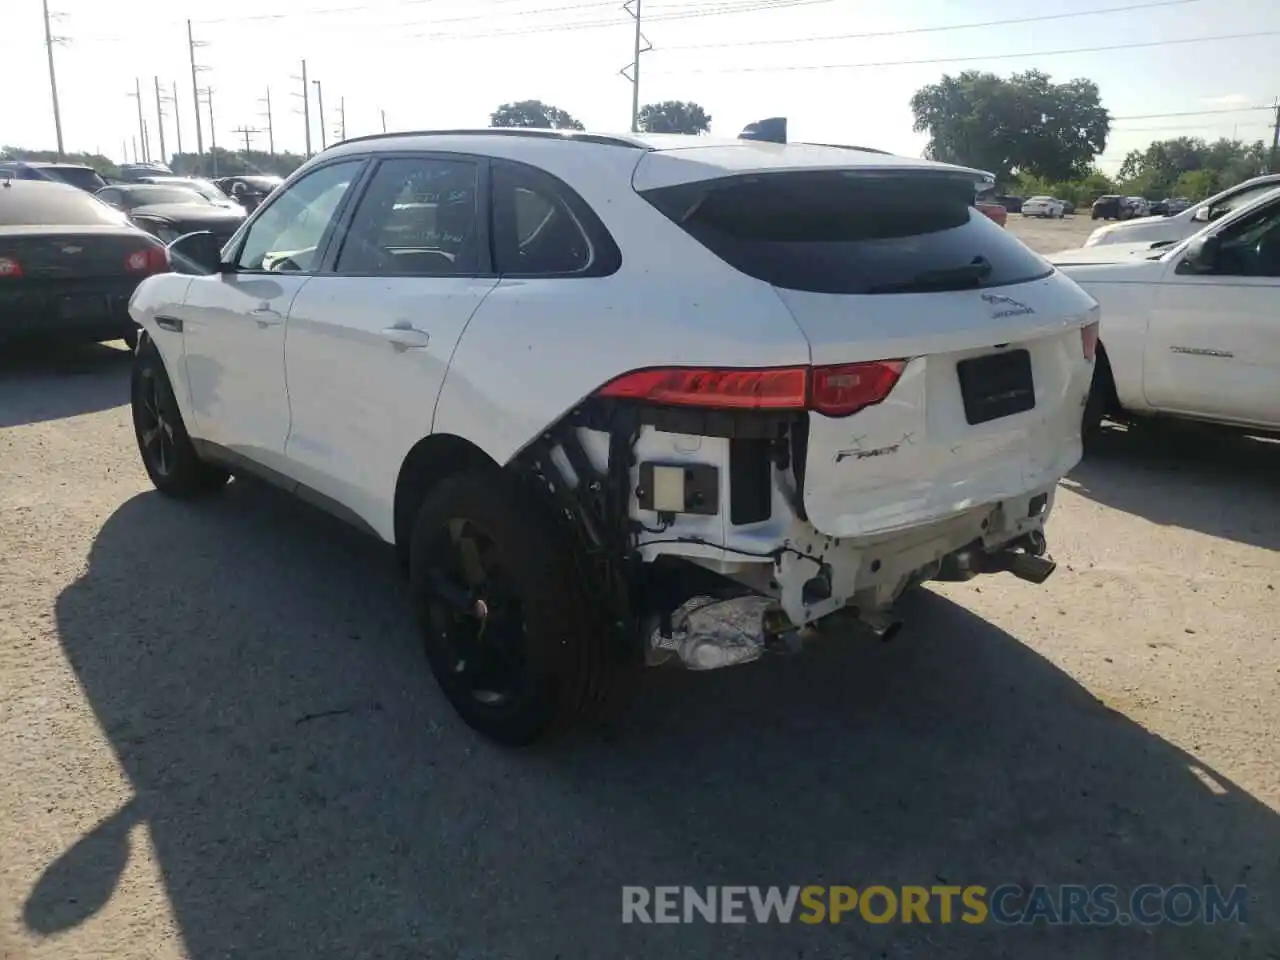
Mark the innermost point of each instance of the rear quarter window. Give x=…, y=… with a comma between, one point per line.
x=850, y=232
x=56, y=205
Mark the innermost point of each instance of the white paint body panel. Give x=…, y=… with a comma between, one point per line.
x=359, y=401
x=1176, y=228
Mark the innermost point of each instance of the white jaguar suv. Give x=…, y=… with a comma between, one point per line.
x=580, y=380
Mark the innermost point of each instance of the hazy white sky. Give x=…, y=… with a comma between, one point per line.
x=447, y=63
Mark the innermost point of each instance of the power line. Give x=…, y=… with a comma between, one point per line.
x=1188, y=113
x=973, y=58
x=936, y=29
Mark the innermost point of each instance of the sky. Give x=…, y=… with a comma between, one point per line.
x=427, y=64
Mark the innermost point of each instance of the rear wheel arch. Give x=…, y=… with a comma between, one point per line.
x=431, y=460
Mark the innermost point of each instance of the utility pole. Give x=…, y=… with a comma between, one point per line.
x=164, y=156
x=1273, y=164
x=135, y=148
x=142, y=127
x=632, y=70
x=195, y=86
x=49, y=41
x=342, y=118
x=177, y=115
x=247, y=132
x=384, y=120
x=213, y=136
x=306, y=104
x=320, y=108
x=271, y=134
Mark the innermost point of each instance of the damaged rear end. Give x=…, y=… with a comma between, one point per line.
x=948, y=367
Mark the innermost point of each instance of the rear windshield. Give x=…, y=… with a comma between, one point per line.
x=85, y=178
x=146, y=196
x=34, y=203
x=851, y=232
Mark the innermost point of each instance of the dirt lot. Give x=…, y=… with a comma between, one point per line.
x=219, y=740
x=1050, y=236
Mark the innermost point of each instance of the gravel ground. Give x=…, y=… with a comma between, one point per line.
x=1050, y=236
x=219, y=738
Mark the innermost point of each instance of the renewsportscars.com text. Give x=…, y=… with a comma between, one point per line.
x=1008, y=904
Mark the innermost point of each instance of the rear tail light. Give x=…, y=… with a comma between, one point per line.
x=844, y=389
x=9, y=267
x=775, y=388
x=1089, y=339
x=148, y=261
x=836, y=391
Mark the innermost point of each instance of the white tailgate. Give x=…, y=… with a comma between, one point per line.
x=914, y=457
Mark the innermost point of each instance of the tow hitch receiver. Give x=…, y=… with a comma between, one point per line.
x=1024, y=558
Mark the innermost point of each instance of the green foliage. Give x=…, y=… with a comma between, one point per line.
x=228, y=163
x=533, y=113
x=100, y=163
x=1191, y=167
x=1025, y=124
x=674, y=116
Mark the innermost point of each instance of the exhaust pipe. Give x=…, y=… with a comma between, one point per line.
x=883, y=626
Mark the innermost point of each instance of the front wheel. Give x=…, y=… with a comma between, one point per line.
x=168, y=455
x=517, y=640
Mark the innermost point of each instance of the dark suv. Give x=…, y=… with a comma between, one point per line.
x=1111, y=207
x=86, y=178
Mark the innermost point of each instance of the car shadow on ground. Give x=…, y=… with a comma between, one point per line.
x=310, y=794
x=51, y=380
x=1185, y=475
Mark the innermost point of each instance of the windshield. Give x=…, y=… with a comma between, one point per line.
x=205, y=188
x=1241, y=199
x=83, y=177
x=146, y=196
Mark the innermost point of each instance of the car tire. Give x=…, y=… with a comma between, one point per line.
x=170, y=458
x=1101, y=400
x=539, y=657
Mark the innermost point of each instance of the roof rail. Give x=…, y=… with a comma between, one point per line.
x=849, y=146
x=539, y=132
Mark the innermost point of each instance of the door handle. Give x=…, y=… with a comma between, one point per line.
x=405, y=337
x=266, y=317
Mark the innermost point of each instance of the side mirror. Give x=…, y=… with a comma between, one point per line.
x=1201, y=256
x=1201, y=215
x=198, y=253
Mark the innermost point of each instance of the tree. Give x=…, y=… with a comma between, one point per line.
x=1191, y=166
x=533, y=113
x=1025, y=124
x=674, y=116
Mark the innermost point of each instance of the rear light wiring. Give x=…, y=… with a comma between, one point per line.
x=837, y=390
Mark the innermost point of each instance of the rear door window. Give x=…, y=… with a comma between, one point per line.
x=418, y=218
x=851, y=232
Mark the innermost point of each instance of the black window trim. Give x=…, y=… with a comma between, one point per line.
x=606, y=256
x=235, y=246
x=484, y=265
